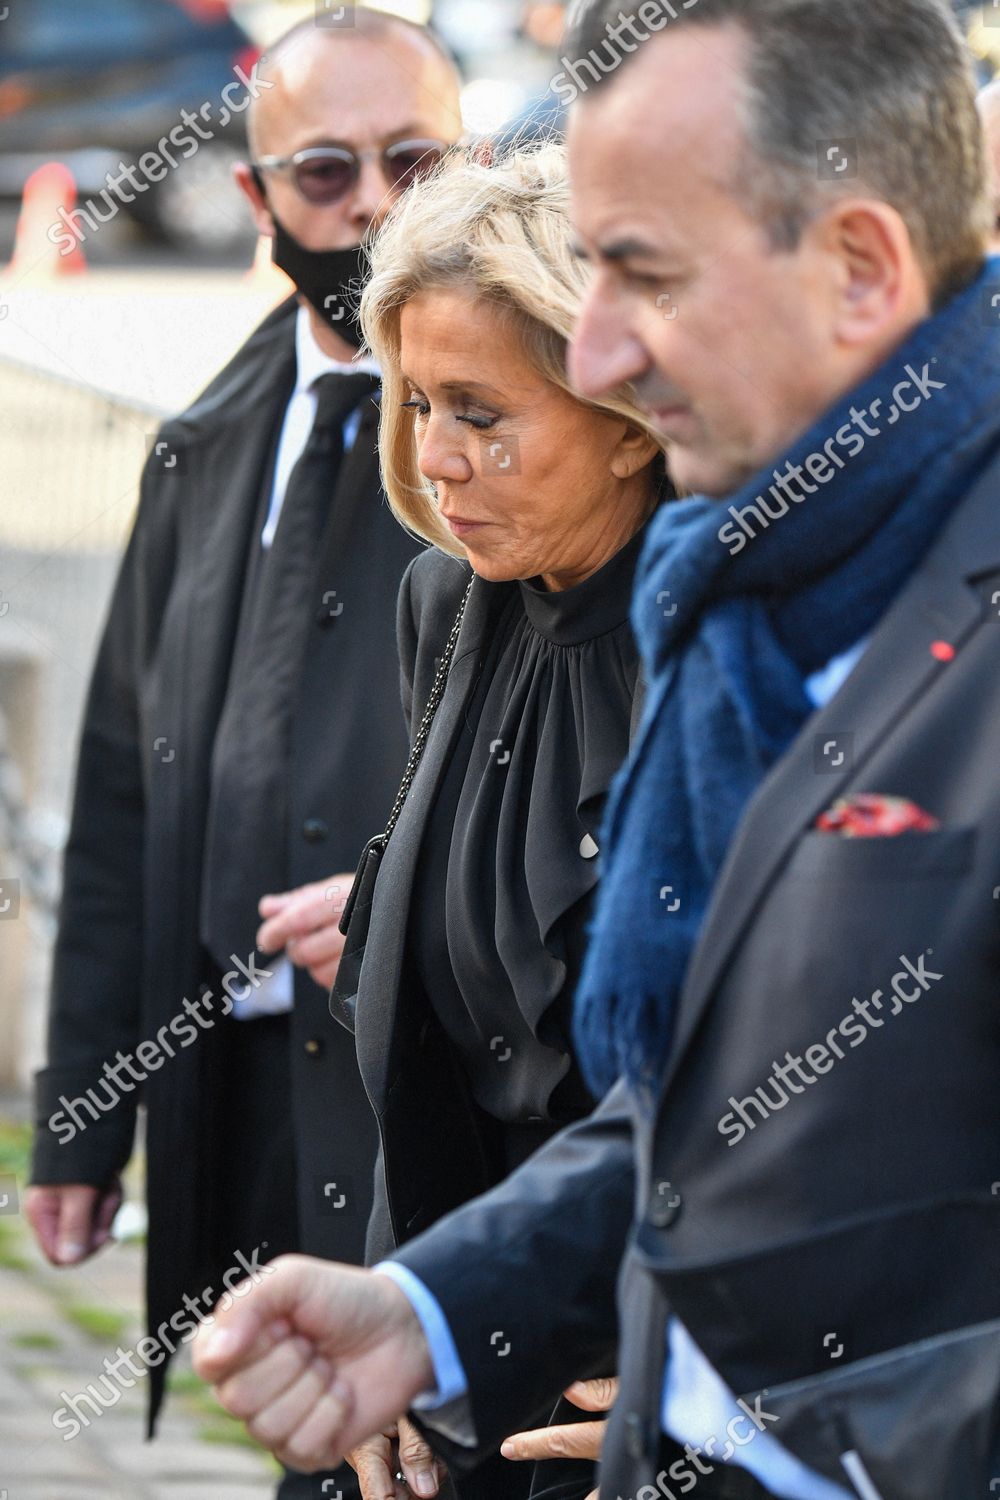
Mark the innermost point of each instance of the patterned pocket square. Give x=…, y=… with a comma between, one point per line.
x=869, y=815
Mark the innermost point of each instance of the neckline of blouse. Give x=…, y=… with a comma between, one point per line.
x=595, y=607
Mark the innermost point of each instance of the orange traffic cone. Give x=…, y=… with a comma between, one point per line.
x=45, y=245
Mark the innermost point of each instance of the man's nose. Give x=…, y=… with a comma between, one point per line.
x=603, y=352
x=373, y=195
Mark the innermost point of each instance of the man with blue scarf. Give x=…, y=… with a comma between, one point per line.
x=792, y=992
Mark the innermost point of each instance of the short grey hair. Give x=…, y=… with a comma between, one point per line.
x=892, y=77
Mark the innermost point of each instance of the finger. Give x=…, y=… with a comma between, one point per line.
x=314, y=913
x=267, y=1378
x=236, y=1336
x=375, y=1469
x=318, y=1443
x=76, y=1220
x=270, y=937
x=419, y=1466
x=321, y=947
x=278, y=1419
x=302, y=911
x=41, y=1209
x=268, y=905
x=576, y=1440
x=325, y=976
x=294, y=920
x=336, y=892
x=108, y=1206
x=593, y=1395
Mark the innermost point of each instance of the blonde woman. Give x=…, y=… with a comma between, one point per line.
x=534, y=503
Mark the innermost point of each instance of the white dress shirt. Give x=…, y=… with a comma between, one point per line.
x=697, y=1405
x=274, y=996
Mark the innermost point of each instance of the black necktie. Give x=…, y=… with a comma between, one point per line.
x=247, y=834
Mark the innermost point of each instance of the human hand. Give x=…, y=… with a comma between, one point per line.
x=574, y=1439
x=315, y=1358
x=305, y=923
x=71, y=1220
x=400, y=1448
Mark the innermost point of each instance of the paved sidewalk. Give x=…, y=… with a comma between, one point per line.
x=56, y=1329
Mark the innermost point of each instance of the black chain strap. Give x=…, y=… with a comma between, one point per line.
x=424, y=728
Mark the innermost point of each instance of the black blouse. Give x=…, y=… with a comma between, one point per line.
x=508, y=866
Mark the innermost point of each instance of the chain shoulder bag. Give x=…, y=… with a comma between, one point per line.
x=356, y=920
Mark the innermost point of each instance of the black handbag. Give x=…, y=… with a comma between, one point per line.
x=356, y=919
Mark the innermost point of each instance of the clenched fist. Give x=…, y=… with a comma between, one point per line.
x=315, y=1358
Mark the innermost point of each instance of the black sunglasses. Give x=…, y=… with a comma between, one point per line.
x=325, y=174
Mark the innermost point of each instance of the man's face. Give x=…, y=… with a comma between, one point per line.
x=362, y=93
x=989, y=113
x=731, y=345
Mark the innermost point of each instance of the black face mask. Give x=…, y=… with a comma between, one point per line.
x=332, y=280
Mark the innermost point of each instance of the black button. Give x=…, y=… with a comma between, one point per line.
x=635, y=1435
x=315, y=830
x=324, y=618
x=664, y=1205
x=314, y=1046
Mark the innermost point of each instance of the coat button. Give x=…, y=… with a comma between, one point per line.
x=664, y=1205
x=314, y=1046
x=314, y=830
x=635, y=1435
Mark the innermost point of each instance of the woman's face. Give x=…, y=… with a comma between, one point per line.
x=529, y=480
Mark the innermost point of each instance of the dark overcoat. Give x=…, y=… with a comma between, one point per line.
x=128, y=951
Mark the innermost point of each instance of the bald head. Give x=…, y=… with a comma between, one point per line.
x=368, y=84
x=988, y=104
x=367, y=53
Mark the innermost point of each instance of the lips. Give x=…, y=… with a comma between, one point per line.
x=461, y=525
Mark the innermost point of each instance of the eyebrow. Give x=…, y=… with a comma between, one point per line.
x=618, y=250
x=401, y=133
x=457, y=385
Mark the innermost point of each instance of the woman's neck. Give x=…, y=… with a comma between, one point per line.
x=634, y=504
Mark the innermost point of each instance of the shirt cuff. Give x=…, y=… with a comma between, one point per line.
x=448, y=1370
x=271, y=997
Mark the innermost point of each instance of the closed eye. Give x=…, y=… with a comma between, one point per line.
x=482, y=424
x=422, y=409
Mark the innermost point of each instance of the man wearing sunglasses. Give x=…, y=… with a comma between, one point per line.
x=244, y=739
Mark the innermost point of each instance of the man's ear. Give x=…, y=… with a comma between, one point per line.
x=880, y=284
x=246, y=181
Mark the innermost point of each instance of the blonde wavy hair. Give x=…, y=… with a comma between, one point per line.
x=502, y=232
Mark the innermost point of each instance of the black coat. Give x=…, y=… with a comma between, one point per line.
x=128, y=949
x=867, y=1207
x=431, y=1158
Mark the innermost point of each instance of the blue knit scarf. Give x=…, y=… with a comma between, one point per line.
x=733, y=609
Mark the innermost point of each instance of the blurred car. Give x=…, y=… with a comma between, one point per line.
x=98, y=83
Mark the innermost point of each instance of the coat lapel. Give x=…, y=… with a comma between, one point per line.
x=940, y=603
x=381, y=987
x=226, y=476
